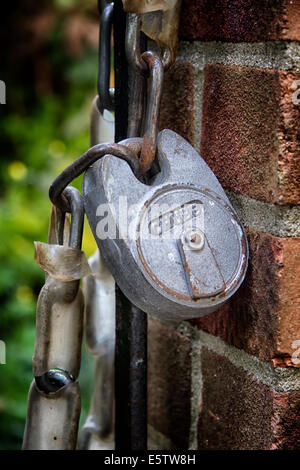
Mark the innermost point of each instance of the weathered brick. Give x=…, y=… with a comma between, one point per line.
x=240, y=20
x=263, y=317
x=289, y=139
x=238, y=412
x=250, y=131
x=177, y=106
x=169, y=383
x=286, y=420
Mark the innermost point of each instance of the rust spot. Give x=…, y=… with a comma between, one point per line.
x=147, y=154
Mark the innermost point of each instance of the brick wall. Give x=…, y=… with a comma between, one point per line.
x=231, y=380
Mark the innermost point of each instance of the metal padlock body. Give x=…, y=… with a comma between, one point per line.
x=163, y=276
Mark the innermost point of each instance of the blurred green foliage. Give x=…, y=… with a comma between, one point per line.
x=39, y=137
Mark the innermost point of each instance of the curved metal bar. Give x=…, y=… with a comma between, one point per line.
x=82, y=163
x=77, y=216
x=132, y=45
x=133, y=50
x=75, y=204
x=106, y=95
x=152, y=112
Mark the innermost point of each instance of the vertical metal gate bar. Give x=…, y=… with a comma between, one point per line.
x=131, y=323
x=121, y=72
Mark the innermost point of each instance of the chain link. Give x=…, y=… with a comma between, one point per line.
x=132, y=45
x=148, y=151
x=99, y=294
x=54, y=396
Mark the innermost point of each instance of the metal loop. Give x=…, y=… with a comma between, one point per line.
x=133, y=50
x=76, y=209
x=77, y=216
x=148, y=151
x=53, y=381
x=82, y=163
x=105, y=93
x=52, y=419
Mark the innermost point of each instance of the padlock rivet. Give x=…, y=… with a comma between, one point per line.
x=195, y=240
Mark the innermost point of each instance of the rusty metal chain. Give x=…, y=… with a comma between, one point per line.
x=99, y=294
x=133, y=51
x=54, y=396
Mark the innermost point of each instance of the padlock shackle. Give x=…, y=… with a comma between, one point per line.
x=82, y=163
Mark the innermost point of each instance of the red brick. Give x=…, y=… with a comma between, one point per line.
x=291, y=23
x=240, y=20
x=250, y=131
x=177, y=106
x=286, y=420
x=289, y=140
x=238, y=412
x=263, y=317
x=169, y=383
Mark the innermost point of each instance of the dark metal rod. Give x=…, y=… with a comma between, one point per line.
x=137, y=90
x=130, y=376
x=105, y=96
x=137, y=94
x=138, y=378
x=131, y=325
x=121, y=72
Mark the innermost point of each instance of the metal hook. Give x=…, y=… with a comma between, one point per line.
x=152, y=111
x=133, y=51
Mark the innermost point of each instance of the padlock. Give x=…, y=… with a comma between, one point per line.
x=182, y=252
